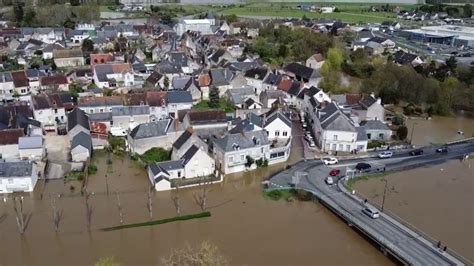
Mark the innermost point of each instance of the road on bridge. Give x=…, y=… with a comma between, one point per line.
x=407, y=244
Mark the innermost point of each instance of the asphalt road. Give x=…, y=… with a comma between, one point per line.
x=396, y=237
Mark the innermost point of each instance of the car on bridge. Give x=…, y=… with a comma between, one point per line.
x=372, y=213
x=385, y=154
x=443, y=149
x=363, y=167
x=416, y=152
x=329, y=160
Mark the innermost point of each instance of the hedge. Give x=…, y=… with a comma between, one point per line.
x=162, y=221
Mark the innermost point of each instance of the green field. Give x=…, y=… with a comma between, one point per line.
x=352, y=13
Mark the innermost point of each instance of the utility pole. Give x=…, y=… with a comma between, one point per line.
x=384, y=192
x=412, y=130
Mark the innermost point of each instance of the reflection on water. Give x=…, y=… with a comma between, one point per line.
x=438, y=200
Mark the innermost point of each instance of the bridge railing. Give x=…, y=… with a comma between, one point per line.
x=359, y=197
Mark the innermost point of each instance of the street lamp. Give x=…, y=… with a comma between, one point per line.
x=384, y=191
x=412, y=130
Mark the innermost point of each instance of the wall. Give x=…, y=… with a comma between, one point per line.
x=17, y=184
x=79, y=154
x=200, y=165
x=345, y=138
x=9, y=152
x=140, y=146
x=32, y=154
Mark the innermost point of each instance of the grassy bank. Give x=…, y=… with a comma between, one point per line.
x=162, y=221
x=350, y=184
x=286, y=194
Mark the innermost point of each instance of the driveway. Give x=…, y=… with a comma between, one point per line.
x=57, y=153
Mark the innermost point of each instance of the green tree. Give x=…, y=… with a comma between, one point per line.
x=467, y=10
x=214, y=97
x=156, y=155
x=87, y=46
x=451, y=63
x=28, y=17
x=402, y=133
x=18, y=12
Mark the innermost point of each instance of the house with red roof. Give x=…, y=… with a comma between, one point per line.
x=58, y=82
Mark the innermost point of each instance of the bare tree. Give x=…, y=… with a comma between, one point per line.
x=150, y=204
x=57, y=214
x=22, y=219
x=206, y=254
x=88, y=209
x=176, y=199
x=201, y=197
x=119, y=207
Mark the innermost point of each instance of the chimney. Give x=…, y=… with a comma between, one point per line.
x=379, y=100
x=372, y=95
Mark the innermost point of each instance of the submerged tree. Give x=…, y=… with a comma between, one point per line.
x=22, y=218
x=207, y=254
x=201, y=197
x=57, y=214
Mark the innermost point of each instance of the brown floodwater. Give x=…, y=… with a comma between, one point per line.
x=438, y=200
x=440, y=129
x=248, y=228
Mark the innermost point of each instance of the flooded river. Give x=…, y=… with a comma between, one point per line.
x=248, y=228
x=440, y=129
x=438, y=200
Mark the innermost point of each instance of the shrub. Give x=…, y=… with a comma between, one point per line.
x=375, y=144
x=156, y=155
x=91, y=169
x=74, y=175
x=402, y=132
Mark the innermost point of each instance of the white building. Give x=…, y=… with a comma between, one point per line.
x=31, y=148
x=20, y=176
x=81, y=147
x=195, y=163
x=199, y=25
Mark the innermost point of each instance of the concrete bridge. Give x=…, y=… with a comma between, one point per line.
x=396, y=237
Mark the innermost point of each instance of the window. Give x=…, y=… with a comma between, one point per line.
x=334, y=137
x=179, y=174
x=334, y=147
x=55, y=111
x=277, y=133
x=285, y=134
x=242, y=158
x=91, y=111
x=261, y=150
x=381, y=136
x=369, y=136
x=348, y=147
x=23, y=91
x=341, y=147
x=101, y=110
x=231, y=159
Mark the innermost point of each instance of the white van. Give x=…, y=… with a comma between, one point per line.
x=118, y=132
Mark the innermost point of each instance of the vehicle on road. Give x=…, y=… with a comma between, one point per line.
x=385, y=154
x=329, y=180
x=363, y=167
x=372, y=213
x=416, y=152
x=118, y=132
x=443, y=149
x=329, y=160
x=334, y=172
x=311, y=143
x=460, y=132
x=308, y=138
x=305, y=125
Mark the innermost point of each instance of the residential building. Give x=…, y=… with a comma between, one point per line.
x=128, y=117
x=9, y=140
x=19, y=176
x=113, y=75
x=92, y=105
x=376, y=130
x=178, y=100
x=81, y=147
x=77, y=121
x=68, y=57
x=58, y=82
x=278, y=125
x=233, y=151
x=31, y=148
x=315, y=61
x=198, y=25
x=50, y=110
x=157, y=134
x=157, y=100
x=205, y=120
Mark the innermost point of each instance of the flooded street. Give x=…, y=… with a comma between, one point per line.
x=439, y=129
x=438, y=200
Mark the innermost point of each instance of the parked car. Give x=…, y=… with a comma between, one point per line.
x=308, y=138
x=329, y=180
x=312, y=144
x=442, y=149
x=329, y=160
x=118, y=132
x=305, y=125
x=372, y=213
x=416, y=152
x=364, y=167
x=334, y=172
x=385, y=154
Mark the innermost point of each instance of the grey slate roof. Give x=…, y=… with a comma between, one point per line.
x=332, y=118
x=16, y=169
x=152, y=129
x=82, y=139
x=179, y=97
x=130, y=110
x=218, y=77
x=33, y=142
x=179, y=83
x=361, y=134
x=374, y=125
x=278, y=115
x=99, y=117
x=245, y=140
x=189, y=154
x=248, y=124
x=301, y=71
x=182, y=139
x=367, y=102
x=77, y=117
x=171, y=165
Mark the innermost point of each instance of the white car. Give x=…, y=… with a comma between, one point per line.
x=305, y=125
x=118, y=132
x=372, y=213
x=385, y=154
x=329, y=160
x=329, y=180
x=312, y=144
